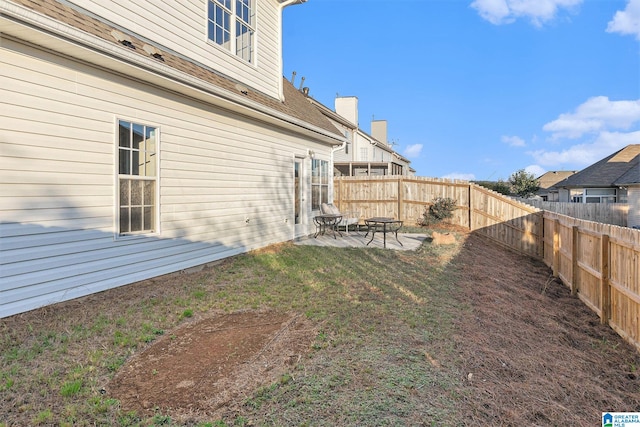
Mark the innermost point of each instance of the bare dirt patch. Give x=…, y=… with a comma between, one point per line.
x=213, y=363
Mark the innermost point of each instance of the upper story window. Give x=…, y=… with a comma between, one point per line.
x=347, y=135
x=231, y=25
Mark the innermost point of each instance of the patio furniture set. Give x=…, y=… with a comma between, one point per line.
x=331, y=219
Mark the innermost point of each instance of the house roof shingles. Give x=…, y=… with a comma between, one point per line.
x=294, y=105
x=620, y=168
x=549, y=179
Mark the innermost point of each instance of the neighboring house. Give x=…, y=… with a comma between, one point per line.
x=145, y=137
x=548, y=191
x=603, y=181
x=631, y=181
x=363, y=154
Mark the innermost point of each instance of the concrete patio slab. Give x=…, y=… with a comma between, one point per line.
x=410, y=241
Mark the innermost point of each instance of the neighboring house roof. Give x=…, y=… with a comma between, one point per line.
x=401, y=157
x=619, y=168
x=330, y=113
x=549, y=179
x=294, y=104
x=632, y=176
x=376, y=143
x=338, y=118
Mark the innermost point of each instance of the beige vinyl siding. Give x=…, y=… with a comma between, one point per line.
x=57, y=180
x=182, y=27
x=340, y=156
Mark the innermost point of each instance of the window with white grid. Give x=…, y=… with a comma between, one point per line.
x=231, y=25
x=137, y=178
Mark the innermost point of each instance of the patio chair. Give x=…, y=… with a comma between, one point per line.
x=348, y=218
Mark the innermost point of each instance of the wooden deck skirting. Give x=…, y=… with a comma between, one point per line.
x=599, y=262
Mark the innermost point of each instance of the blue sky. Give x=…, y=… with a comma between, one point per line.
x=478, y=89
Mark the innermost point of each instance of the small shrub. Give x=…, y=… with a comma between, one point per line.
x=441, y=208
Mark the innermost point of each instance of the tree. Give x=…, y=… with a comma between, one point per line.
x=499, y=186
x=523, y=183
x=502, y=187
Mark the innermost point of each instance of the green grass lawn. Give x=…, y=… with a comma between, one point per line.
x=382, y=356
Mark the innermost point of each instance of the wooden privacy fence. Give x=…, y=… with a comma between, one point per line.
x=599, y=262
x=500, y=218
x=608, y=213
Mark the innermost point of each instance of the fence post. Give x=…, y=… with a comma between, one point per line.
x=470, y=207
x=556, y=248
x=574, y=259
x=400, y=199
x=541, y=236
x=605, y=285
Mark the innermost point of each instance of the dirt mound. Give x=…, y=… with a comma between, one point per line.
x=209, y=365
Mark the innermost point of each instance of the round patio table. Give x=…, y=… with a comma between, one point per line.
x=327, y=220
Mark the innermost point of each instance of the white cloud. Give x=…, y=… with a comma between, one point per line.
x=600, y=127
x=581, y=155
x=597, y=114
x=507, y=11
x=459, y=175
x=495, y=11
x=514, y=141
x=627, y=21
x=413, y=151
x=535, y=170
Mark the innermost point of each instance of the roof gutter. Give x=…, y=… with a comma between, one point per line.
x=290, y=2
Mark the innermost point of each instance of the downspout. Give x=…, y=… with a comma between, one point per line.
x=333, y=150
x=281, y=6
x=353, y=150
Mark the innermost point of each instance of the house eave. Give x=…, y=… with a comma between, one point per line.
x=27, y=26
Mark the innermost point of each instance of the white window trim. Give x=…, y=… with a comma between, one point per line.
x=320, y=185
x=116, y=184
x=364, y=154
x=231, y=51
x=580, y=195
